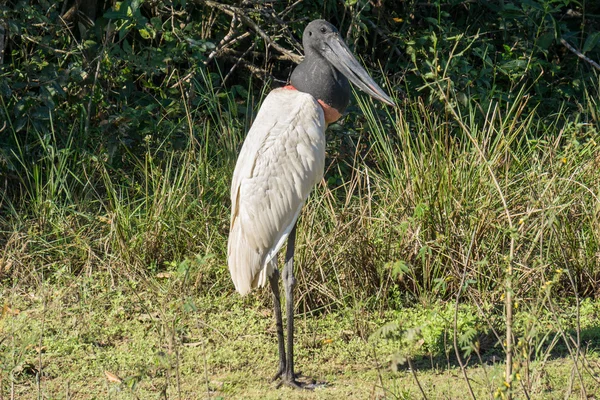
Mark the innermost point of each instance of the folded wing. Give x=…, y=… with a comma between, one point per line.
x=280, y=162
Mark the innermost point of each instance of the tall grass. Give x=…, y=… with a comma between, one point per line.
x=494, y=206
x=424, y=203
x=412, y=198
x=77, y=210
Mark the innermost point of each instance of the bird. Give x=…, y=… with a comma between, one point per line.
x=281, y=160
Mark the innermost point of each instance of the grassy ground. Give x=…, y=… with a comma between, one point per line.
x=93, y=338
x=114, y=285
x=449, y=235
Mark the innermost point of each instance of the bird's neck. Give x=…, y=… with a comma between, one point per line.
x=317, y=77
x=331, y=114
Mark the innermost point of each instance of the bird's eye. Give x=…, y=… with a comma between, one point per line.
x=310, y=33
x=323, y=30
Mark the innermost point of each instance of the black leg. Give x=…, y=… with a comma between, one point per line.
x=289, y=281
x=286, y=355
x=274, y=281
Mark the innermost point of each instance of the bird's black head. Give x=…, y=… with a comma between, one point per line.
x=327, y=67
x=316, y=35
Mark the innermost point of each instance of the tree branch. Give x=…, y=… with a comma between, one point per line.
x=238, y=12
x=580, y=54
x=2, y=35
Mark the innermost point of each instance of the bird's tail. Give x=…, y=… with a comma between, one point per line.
x=245, y=263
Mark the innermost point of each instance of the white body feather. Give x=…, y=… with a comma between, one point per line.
x=280, y=162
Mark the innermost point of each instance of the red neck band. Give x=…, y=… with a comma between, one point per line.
x=331, y=114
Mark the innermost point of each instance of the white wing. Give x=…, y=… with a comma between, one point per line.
x=280, y=162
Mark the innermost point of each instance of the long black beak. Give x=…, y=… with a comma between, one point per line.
x=338, y=54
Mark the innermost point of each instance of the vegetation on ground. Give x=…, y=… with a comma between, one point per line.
x=468, y=215
x=85, y=337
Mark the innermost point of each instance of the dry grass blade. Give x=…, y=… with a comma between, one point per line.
x=112, y=377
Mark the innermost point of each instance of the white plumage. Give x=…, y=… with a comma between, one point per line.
x=280, y=162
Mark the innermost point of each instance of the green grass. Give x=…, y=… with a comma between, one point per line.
x=119, y=268
x=145, y=339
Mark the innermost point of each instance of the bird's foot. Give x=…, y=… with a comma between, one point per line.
x=291, y=382
x=279, y=373
x=296, y=383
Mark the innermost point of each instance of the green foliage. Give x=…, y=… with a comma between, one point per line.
x=96, y=336
x=118, y=79
x=429, y=331
x=117, y=145
x=124, y=135
x=484, y=53
x=128, y=72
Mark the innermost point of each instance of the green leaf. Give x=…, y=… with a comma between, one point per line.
x=431, y=20
x=515, y=65
x=399, y=268
x=533, y=4
x=386, y=331
x=511, y=7
x=462, y=98
x=420, y=210
x=20, y=124
x=156, y=23
x=545, y=40
x=397, y=361
x=145, y=34
x=5, y=89
x=115, y=15
x=592, y=40
x=135, y=5
x=189, y=305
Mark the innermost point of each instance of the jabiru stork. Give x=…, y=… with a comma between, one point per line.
x=281, y=160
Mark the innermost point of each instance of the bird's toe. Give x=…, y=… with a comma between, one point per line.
x=278, y=374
